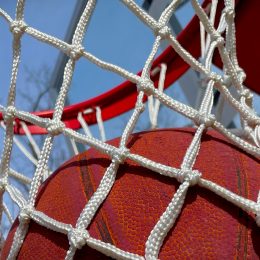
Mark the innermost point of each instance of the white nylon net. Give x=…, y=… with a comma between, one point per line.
x=212, y=39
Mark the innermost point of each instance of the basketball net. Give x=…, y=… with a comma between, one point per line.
x=212, y=39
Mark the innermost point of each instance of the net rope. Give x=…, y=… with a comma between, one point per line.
x=212, y=39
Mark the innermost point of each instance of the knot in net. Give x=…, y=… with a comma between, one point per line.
x=163, y=30
x=75, y=52
x=55, y=127
x=25, y=214
x=146, y=85
x=207, y=120
x=78, y=237
x=18, y=27
x=9, y=113
x=119, y=154
x=192, y=176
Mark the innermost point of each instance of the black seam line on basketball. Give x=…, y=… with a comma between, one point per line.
x=246, y=216
x=86, y=180
x=247, y=219
x=103, y=230
x=89, y=191
x=244, y=228
x=240, y=228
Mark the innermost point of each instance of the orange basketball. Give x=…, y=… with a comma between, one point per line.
x=208, y=227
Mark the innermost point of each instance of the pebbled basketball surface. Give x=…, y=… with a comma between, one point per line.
x=208, y=227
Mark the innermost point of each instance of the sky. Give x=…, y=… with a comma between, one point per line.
x=114, y=35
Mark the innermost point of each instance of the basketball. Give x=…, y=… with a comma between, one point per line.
x=208, y=227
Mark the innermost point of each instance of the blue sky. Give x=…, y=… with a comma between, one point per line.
x=125, y=43
x=114, y=35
